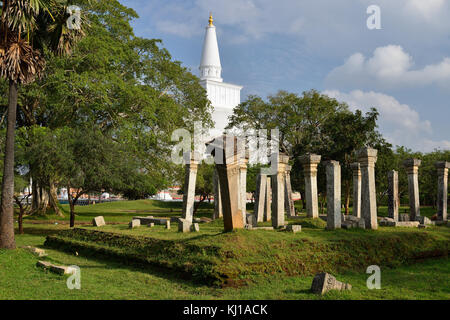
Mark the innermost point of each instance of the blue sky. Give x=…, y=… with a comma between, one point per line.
x=403, y=69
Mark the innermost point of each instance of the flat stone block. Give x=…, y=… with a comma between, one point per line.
x=151, y=225
x=407, y=224
x=260, y=228
x=54, y=268
x=36, y=251
x=98, y=221
x=294, y=228
x=144, y=220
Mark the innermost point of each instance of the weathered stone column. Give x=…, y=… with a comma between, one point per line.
x=218, y=213
x=260, y=196
x=289, y=202
x=278, y=191
x=333, y=170
x=393, y=200
x=367, y=158
x=268, y=201
x=412, y=169
x=310, y=162
x=356, y=189
x=442, y=171
x=229, y=180
x=243, y=189
x=189, y=190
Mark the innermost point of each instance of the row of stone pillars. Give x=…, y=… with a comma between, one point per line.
x=412, y=170
x=364, y=194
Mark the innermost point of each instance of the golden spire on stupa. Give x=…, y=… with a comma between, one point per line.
x=211, y=20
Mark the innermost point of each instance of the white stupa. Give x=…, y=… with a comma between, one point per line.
x=223, y=96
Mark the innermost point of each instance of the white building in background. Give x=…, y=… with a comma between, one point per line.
x=223, y=96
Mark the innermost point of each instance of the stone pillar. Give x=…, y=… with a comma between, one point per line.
x=356, y=189
x=289, y=202
x=218, y=213
x=442, y=171
x=189, y=190
x=260, y=196
x=393, y=200
x=412, y=169
x=333, y=170
x=229, y=180
x=268, y=202
x=310, y=162
x=243, y=189
x=278, y=192
x=367, y=158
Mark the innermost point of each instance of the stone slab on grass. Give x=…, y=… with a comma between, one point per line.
x=407, y=224
x=98, y=221
x=54, y=268
x=36, y=251
x=144, y=220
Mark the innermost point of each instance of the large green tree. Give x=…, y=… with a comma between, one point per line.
x=27, y=27
x=125, y=90
x=311, y=123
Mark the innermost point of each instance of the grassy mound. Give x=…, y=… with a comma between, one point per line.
x=230, y=258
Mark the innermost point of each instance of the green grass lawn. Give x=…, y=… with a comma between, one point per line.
x=261, y=261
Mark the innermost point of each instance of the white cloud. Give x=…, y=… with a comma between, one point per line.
x=399, y=123
x=390, y=66
x=426, y=8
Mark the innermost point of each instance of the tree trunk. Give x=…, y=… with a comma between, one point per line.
x=197, y=205
x=35, y=195
x=53, y=200
x=7, y=240
x=72, y=207
x=20, y=220
x=72, y=214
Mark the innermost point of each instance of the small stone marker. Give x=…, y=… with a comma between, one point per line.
x=294, y=228
x=422, y=226
x=184, y=225
x=151, y=225
x=168, y=224
x=134, y=223
x=54, y=268
x=252, y=220
x=324, y=282
x=195, y=227
x=98, y=221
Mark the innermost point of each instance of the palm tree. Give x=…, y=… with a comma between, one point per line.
x=26, y=28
